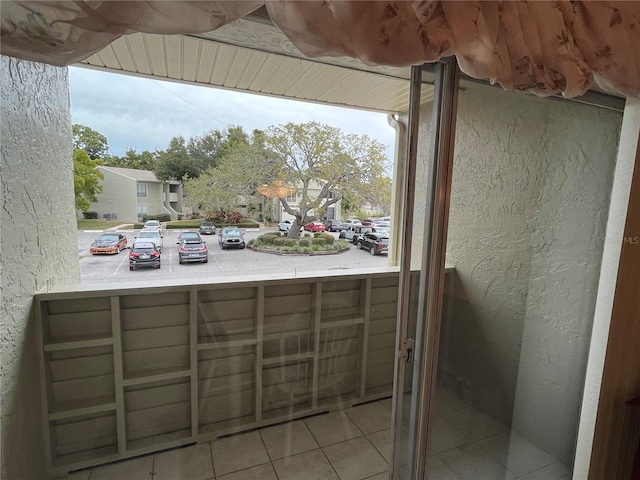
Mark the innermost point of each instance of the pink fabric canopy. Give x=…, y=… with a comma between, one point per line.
x=547, y=47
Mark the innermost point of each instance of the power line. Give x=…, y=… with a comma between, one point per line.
x=193, y=105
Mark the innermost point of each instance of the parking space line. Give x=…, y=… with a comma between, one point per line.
x=125, y=259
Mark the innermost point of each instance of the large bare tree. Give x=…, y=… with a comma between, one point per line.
x=315, y=156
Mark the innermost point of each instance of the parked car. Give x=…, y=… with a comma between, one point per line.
x=381, y=224
x=333, y=225
x=354, y=232
x=315, y=227
x=188, y=236
x=285, y=225
x=192, y=248
x=152, y=225
x=231, y=237
x=207, y=228
x=144, y=254
x=350, y=222
x=108, y=243
x=151, y=236
x=375, y=243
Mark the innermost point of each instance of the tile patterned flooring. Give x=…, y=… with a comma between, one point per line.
x=352, y=444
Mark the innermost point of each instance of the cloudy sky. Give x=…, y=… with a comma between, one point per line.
x=144, y=114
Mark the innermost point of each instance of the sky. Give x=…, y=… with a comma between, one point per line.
x=145, y=114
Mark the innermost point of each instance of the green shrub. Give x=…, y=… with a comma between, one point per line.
x=328, y=237
x=289, y=242
x=319, y=241
x=253, y=242
x=162, y=217
x=304, y=242
x=307, y=235
x=268, y=239
x=90, y=215
x=274, y=234
x=278, y=241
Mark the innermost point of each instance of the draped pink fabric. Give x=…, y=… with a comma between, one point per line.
x=547, y=47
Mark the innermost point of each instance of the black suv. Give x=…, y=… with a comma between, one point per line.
x=375, y=243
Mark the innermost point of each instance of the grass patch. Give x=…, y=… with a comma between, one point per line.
x=97, y=224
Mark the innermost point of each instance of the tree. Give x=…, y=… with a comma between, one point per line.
x=242, y=169
x=316, y=155
x=378, y=195
x=175, y=162
x=86, y=179
x=191, y=158
x=92, y=142
x=144, y=160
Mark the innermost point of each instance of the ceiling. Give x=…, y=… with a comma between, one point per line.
x=252, y=55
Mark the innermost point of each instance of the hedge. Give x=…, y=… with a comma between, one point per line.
x=304, y=242
x=319, y=241
x=162, y=217
x=90, y=215
x=328, y=237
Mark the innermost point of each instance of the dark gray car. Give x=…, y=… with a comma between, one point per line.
x=207, y=228
x=191, y=248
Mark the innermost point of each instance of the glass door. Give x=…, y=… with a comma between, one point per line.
x=500, y=261
x=427, y=171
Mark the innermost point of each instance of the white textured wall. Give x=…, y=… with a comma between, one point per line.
x=529, y=204
x=38, y=242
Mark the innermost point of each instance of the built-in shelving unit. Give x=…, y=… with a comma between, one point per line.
x=127, y=372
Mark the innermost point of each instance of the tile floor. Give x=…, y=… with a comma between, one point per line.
x=352, y=444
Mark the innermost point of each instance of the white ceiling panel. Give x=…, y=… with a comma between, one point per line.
x=254, y=56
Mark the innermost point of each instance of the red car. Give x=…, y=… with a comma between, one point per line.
x=108, y=243
x=315, y=227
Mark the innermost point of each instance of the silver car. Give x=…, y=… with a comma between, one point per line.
x=231, y=237
x=151, y=236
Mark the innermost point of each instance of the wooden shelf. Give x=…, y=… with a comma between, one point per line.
x=155, y=375
x=77, y=408
x=157, y=441
x=73, y=342
x=338, y=322
x=287, y=358
x=229, y=341
x=88, y=457
x=110, y=379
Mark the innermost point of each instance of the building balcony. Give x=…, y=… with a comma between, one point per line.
x=247, y=378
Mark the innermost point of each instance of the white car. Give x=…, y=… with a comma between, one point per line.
x=285, y=225
x=351, y=222
x=152, y=225
x=151, y=236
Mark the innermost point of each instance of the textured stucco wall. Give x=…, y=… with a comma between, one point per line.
x=530, y=191
x=38, y=242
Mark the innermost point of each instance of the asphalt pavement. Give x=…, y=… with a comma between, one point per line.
x=112, y=269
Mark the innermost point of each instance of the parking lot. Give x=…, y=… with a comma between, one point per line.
x=100, y=269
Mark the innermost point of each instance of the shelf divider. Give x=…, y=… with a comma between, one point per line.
x=193, y=341
x=156, y=375
x=96, y=406
x=69, y=344
x=259, y=328
x=116, y=330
